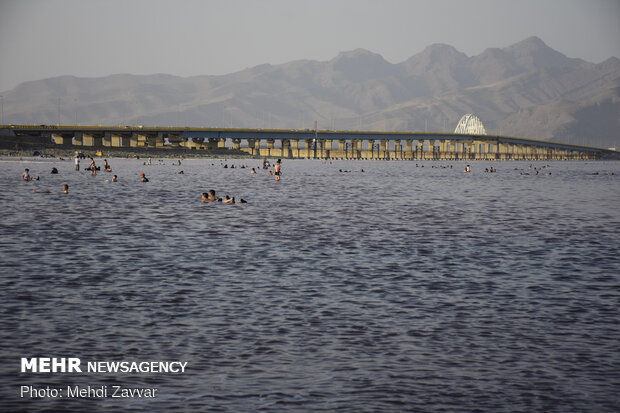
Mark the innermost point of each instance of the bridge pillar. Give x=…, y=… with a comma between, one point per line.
x=470, y=149
x=408, y=148
x=236, y=144
x=191, y=143
x=447, y=149
x=398, y=152
x=370, y=150
x=485, y=149
x=356, y=145
x=544, y=152
x=78, y=140
x=270, y=144
x=221, y=143
x=150, y=141
x=295, y=148
x=250, y=148
x=384, y=149
x=459, y=150
x=309, y=152
x=89, y=139
x=320, y=149
x=548, y=153
x=62, y=139
x=211, y=143
x=107, y=139
x=174, y=140
x=137, y=140
x=420, y=149
x=342, y=148
x=458, y=153
x=432, y=151
x=494, y=150
x=159, y=140
x=257, y=151
x=501, y=147
x=442, y=149
x=428, y=151
x=120, y=140
x=476, y=150
x=286, y=149
x=328, y=148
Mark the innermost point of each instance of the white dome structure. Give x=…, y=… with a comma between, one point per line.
x=470, y=125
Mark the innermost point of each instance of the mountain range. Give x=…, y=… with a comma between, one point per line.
x=525, y=90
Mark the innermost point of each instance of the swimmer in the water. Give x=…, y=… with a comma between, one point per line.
x=276, y=169
x=210, y=196
x=26, y=175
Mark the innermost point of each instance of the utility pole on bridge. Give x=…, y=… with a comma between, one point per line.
x=316, y=134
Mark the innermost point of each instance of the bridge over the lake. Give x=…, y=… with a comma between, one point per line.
x=323, y=144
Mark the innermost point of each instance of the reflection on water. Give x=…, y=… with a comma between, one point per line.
x=398, y=288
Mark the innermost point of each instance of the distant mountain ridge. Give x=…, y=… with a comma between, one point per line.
x=526, y=89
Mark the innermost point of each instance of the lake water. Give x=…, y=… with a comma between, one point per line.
x=401, y=288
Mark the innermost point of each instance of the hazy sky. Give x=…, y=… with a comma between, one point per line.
x=46, y=38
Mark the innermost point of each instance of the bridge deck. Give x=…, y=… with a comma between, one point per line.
x=287, y=134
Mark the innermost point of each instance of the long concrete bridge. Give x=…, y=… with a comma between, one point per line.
x=323, y=144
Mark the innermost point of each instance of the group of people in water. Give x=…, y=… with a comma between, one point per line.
x=212, y=197
x=93, y=168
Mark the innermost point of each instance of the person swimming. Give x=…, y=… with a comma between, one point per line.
x=276, y=169
x=143, y=178
x=210, y=196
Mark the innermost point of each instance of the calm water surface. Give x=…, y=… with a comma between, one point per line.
x=401, y=288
